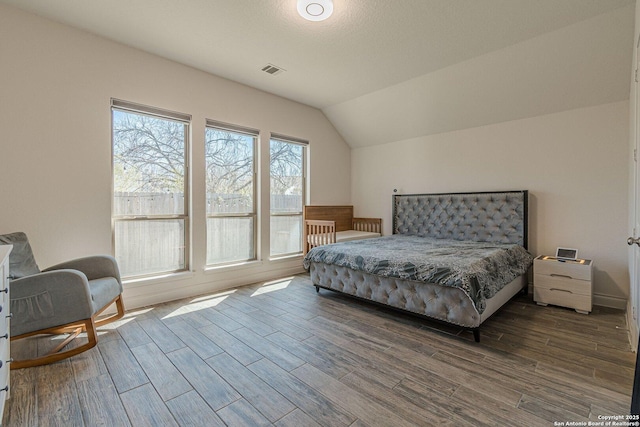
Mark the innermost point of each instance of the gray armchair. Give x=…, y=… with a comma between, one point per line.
x=65, y=298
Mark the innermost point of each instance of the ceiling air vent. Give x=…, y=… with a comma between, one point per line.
x=272, y=69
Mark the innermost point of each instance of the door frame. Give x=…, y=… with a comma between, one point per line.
x=633, y=307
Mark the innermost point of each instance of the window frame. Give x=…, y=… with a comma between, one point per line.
x=255, y=134
x=305, y=148
x=158, y=113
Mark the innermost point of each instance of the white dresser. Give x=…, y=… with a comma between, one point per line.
x=4, y=326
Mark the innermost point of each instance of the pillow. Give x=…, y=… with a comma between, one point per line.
x=21, y=260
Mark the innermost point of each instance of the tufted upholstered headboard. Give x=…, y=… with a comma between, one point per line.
x=498, y=217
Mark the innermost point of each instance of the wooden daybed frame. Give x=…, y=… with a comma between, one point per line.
x=322, y=225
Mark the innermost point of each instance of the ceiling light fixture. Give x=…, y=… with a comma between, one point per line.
x=315, y=10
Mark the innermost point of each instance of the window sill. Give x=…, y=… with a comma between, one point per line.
x=285, y=258
x=231, y=267
x=161, y=278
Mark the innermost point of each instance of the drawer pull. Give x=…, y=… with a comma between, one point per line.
x=5, y=389
x=562, y=275
x=5, y=336
x=561, y=290
x=5, y=290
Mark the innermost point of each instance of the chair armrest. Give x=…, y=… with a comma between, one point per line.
x=94, y=267
x=373, y=225
x=49, y=299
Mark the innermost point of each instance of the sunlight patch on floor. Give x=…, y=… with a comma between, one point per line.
x=128, y=317
x=200, y=303
x=273, y=286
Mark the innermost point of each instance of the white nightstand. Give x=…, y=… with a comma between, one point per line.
x=565, y=283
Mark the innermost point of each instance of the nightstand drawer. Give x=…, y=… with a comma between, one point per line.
x=566, y=269
x=562, y=298
x=580, y=287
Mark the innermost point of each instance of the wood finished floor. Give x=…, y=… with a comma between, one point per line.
x=280, y=354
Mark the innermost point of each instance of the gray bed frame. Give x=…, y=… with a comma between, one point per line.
x=496, y=216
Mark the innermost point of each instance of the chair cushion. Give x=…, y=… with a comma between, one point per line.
x=103, y=291
x=21, y=260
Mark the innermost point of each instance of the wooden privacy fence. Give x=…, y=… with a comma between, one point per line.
x=148, y=246
x=131, y=204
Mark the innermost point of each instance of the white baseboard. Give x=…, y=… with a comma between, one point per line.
x=632, y=326
x=609, y=301
x=171, y=293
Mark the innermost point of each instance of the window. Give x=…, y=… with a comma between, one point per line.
x=231, y=207
x=150, y=203
x=287, y=171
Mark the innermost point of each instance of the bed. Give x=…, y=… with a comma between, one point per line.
x=476, y=257
x=324, y=225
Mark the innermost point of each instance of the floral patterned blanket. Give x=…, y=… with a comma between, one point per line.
x=480, y=269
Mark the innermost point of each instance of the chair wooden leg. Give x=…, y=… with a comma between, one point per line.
x=118, y=315
x=92, y=340
x=88, y=325
x=67, y=340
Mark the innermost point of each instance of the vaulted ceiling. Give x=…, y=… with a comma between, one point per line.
x=382, y=70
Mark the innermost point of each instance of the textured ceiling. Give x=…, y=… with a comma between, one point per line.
x=369, y=52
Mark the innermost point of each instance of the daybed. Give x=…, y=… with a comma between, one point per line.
x=330, y=224
x=476, y=257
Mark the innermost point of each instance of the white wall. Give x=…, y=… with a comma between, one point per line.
x=574, y=164
x=55, y=146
